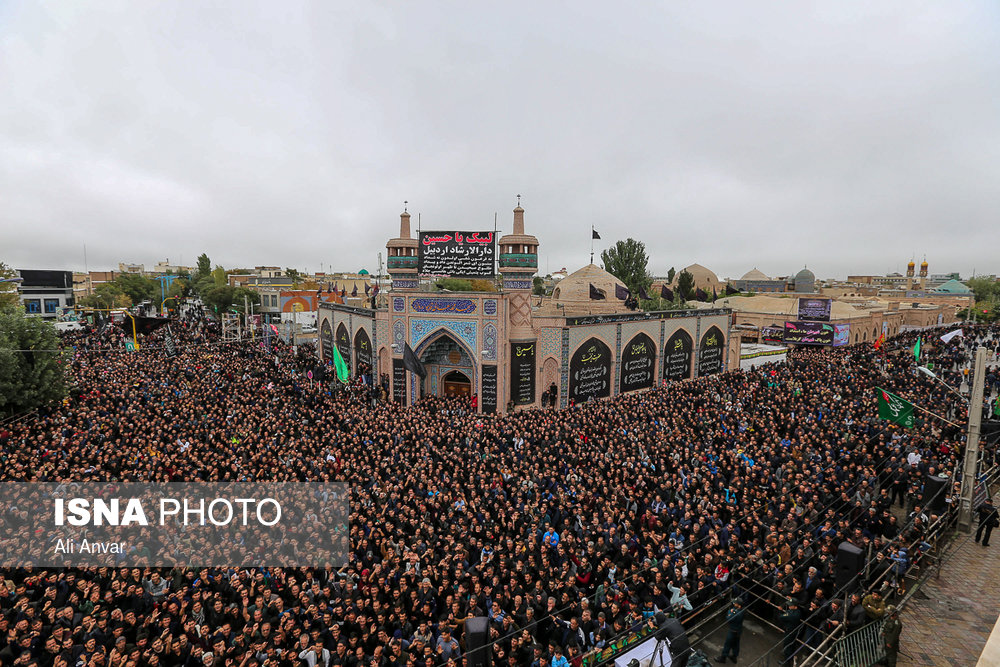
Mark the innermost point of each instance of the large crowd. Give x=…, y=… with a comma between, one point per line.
x=565, y=528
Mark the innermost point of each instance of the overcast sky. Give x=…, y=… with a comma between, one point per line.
x=846, y=136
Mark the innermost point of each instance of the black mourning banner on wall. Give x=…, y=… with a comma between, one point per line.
x=457, y=254
x=522, y=373
x=398, y=381
x=344, y=343
x=326, y=340
x=815, y=310
x=590, y=371
x=712, y=352
x=638, y=361
x=809, y=333
x=363, y=350
x=677, y=356
x=489, y=389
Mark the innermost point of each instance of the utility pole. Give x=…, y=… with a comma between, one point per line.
x=972, y=441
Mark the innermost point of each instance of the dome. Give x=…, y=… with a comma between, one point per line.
x=805, y=274
x=571, y=295
x=703, y=278
x=804, y=281
x=754, y=274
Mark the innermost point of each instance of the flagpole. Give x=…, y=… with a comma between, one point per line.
x=591, y=244
x=936, y=416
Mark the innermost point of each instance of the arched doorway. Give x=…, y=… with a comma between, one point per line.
x=456, y=383
x=442, y=356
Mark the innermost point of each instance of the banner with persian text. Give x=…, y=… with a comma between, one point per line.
x=457, y=254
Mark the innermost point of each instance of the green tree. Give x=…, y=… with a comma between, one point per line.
x=983, y=288
x=670, y=275
x=252, y=298
x=137, y=288
x=482, y=285
x=628, y=262
x=204, y=267
x=537, y=286
x=107, y=296
x=295, y=276
x=8, y=289
x=219, y=276
x=31, y=363
x=219, y=298
x=685, y=285
x=454, y=284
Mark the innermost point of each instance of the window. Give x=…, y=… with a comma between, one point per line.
x=51, y=305
x=33, y=305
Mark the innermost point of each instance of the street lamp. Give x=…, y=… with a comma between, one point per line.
x=931, y=374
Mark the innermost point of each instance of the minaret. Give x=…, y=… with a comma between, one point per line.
x=923, y=268
x=518, y=264
x=402, y=256
x=909, y=269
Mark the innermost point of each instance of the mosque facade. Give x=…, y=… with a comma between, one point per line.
x=510, y=349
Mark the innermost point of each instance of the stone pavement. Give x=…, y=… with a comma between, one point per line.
x=949, y=619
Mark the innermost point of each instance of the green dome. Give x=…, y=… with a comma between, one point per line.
x=363, y=272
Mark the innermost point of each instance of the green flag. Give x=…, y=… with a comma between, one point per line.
x=129, y=345
x=340, y=365
x=916, y=349
x=996, y=407
x=894, y=409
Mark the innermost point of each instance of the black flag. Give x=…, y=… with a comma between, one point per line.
x=367, y=289
x=700, y=295
x=714, y=295
x=730, y=290
x=666, y=293
x=354, y=292
x=411, y=363
x=621, y=292
x=596, y=235
x=642, y=293
x=169, y=346
x=596, y=293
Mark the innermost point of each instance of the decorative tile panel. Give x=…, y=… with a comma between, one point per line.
x=399, y=335
x=490, y=342
x=438, y=305
x=550, y=342
x=398, y=304
x=490, y=306
x=464, y=330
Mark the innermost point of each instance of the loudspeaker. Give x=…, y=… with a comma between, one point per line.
x=674, y=634
x=935, y=490
x=850, y=562
x=477, y=637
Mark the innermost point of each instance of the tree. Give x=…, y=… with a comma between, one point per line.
x=219, y=276
x=983, y=288
x=454, y=284
x=204, y=267
x=8, y=290
x=537, y=286
x=480, y=285
x=137, y=288
x=295, y=276
x=252, y=298
x=628, y=262
x=107, y=296
x=219, y=298
x=685, y=285
x=31, y=363
x=670, y=275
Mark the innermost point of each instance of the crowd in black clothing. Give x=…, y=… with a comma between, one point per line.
x=564, y=528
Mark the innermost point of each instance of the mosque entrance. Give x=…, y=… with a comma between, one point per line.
x=456, y=383
x=449, y=366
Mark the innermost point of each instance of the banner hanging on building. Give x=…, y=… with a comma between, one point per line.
x=457, y=254
x=809, y=333
x=815, y=310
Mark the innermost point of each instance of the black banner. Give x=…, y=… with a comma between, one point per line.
x=814, y=310
x=590, y=371
x=638, y=361
x=363, y=351
x=809, y=333
x=398, y=381
x=677, y=356
x=344, y=343
x=169, y=346
x=712, y=352
x=457, y=254
x=326, y=340
x=488, y=395
x=522, y=373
